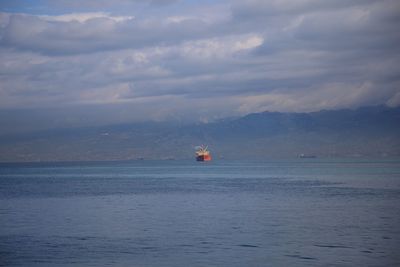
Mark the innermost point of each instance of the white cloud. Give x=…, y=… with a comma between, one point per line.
x=249, y=43
x=83, y=17
x=325, y=96
x=394, y=101
x=216, y=48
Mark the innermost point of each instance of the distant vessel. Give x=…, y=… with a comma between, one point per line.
x=202, y=153
x=304, y=156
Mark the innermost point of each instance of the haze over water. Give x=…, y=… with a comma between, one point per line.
x=302, y=212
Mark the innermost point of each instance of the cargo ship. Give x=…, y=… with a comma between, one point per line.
x=202, y=153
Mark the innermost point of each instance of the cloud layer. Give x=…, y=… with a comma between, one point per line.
x=200, y=60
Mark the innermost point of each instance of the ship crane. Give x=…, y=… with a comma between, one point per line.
x=202, y=153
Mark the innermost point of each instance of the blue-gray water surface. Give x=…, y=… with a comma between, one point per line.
x=302, y=212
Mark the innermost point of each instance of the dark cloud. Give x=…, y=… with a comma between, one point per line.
x=254, y=9
x=163, y=59
x=100, y=33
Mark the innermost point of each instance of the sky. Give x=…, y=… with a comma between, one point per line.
x=73, y=62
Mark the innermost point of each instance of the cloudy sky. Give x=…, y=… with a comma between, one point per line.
x=126, y=60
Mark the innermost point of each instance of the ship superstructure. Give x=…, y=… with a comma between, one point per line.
x=202, y=153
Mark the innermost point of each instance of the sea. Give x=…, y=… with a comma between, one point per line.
x=296, y=212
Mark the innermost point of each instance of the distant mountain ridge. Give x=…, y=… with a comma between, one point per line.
x=325, y=120
x=368, y=131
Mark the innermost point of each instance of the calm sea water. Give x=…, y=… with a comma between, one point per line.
x=305, y=212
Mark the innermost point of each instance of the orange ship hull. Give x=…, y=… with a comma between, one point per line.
x=203, y=158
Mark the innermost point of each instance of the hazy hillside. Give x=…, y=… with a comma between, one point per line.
x=370, y=131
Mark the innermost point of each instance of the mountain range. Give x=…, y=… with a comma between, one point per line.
x=363, y=132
